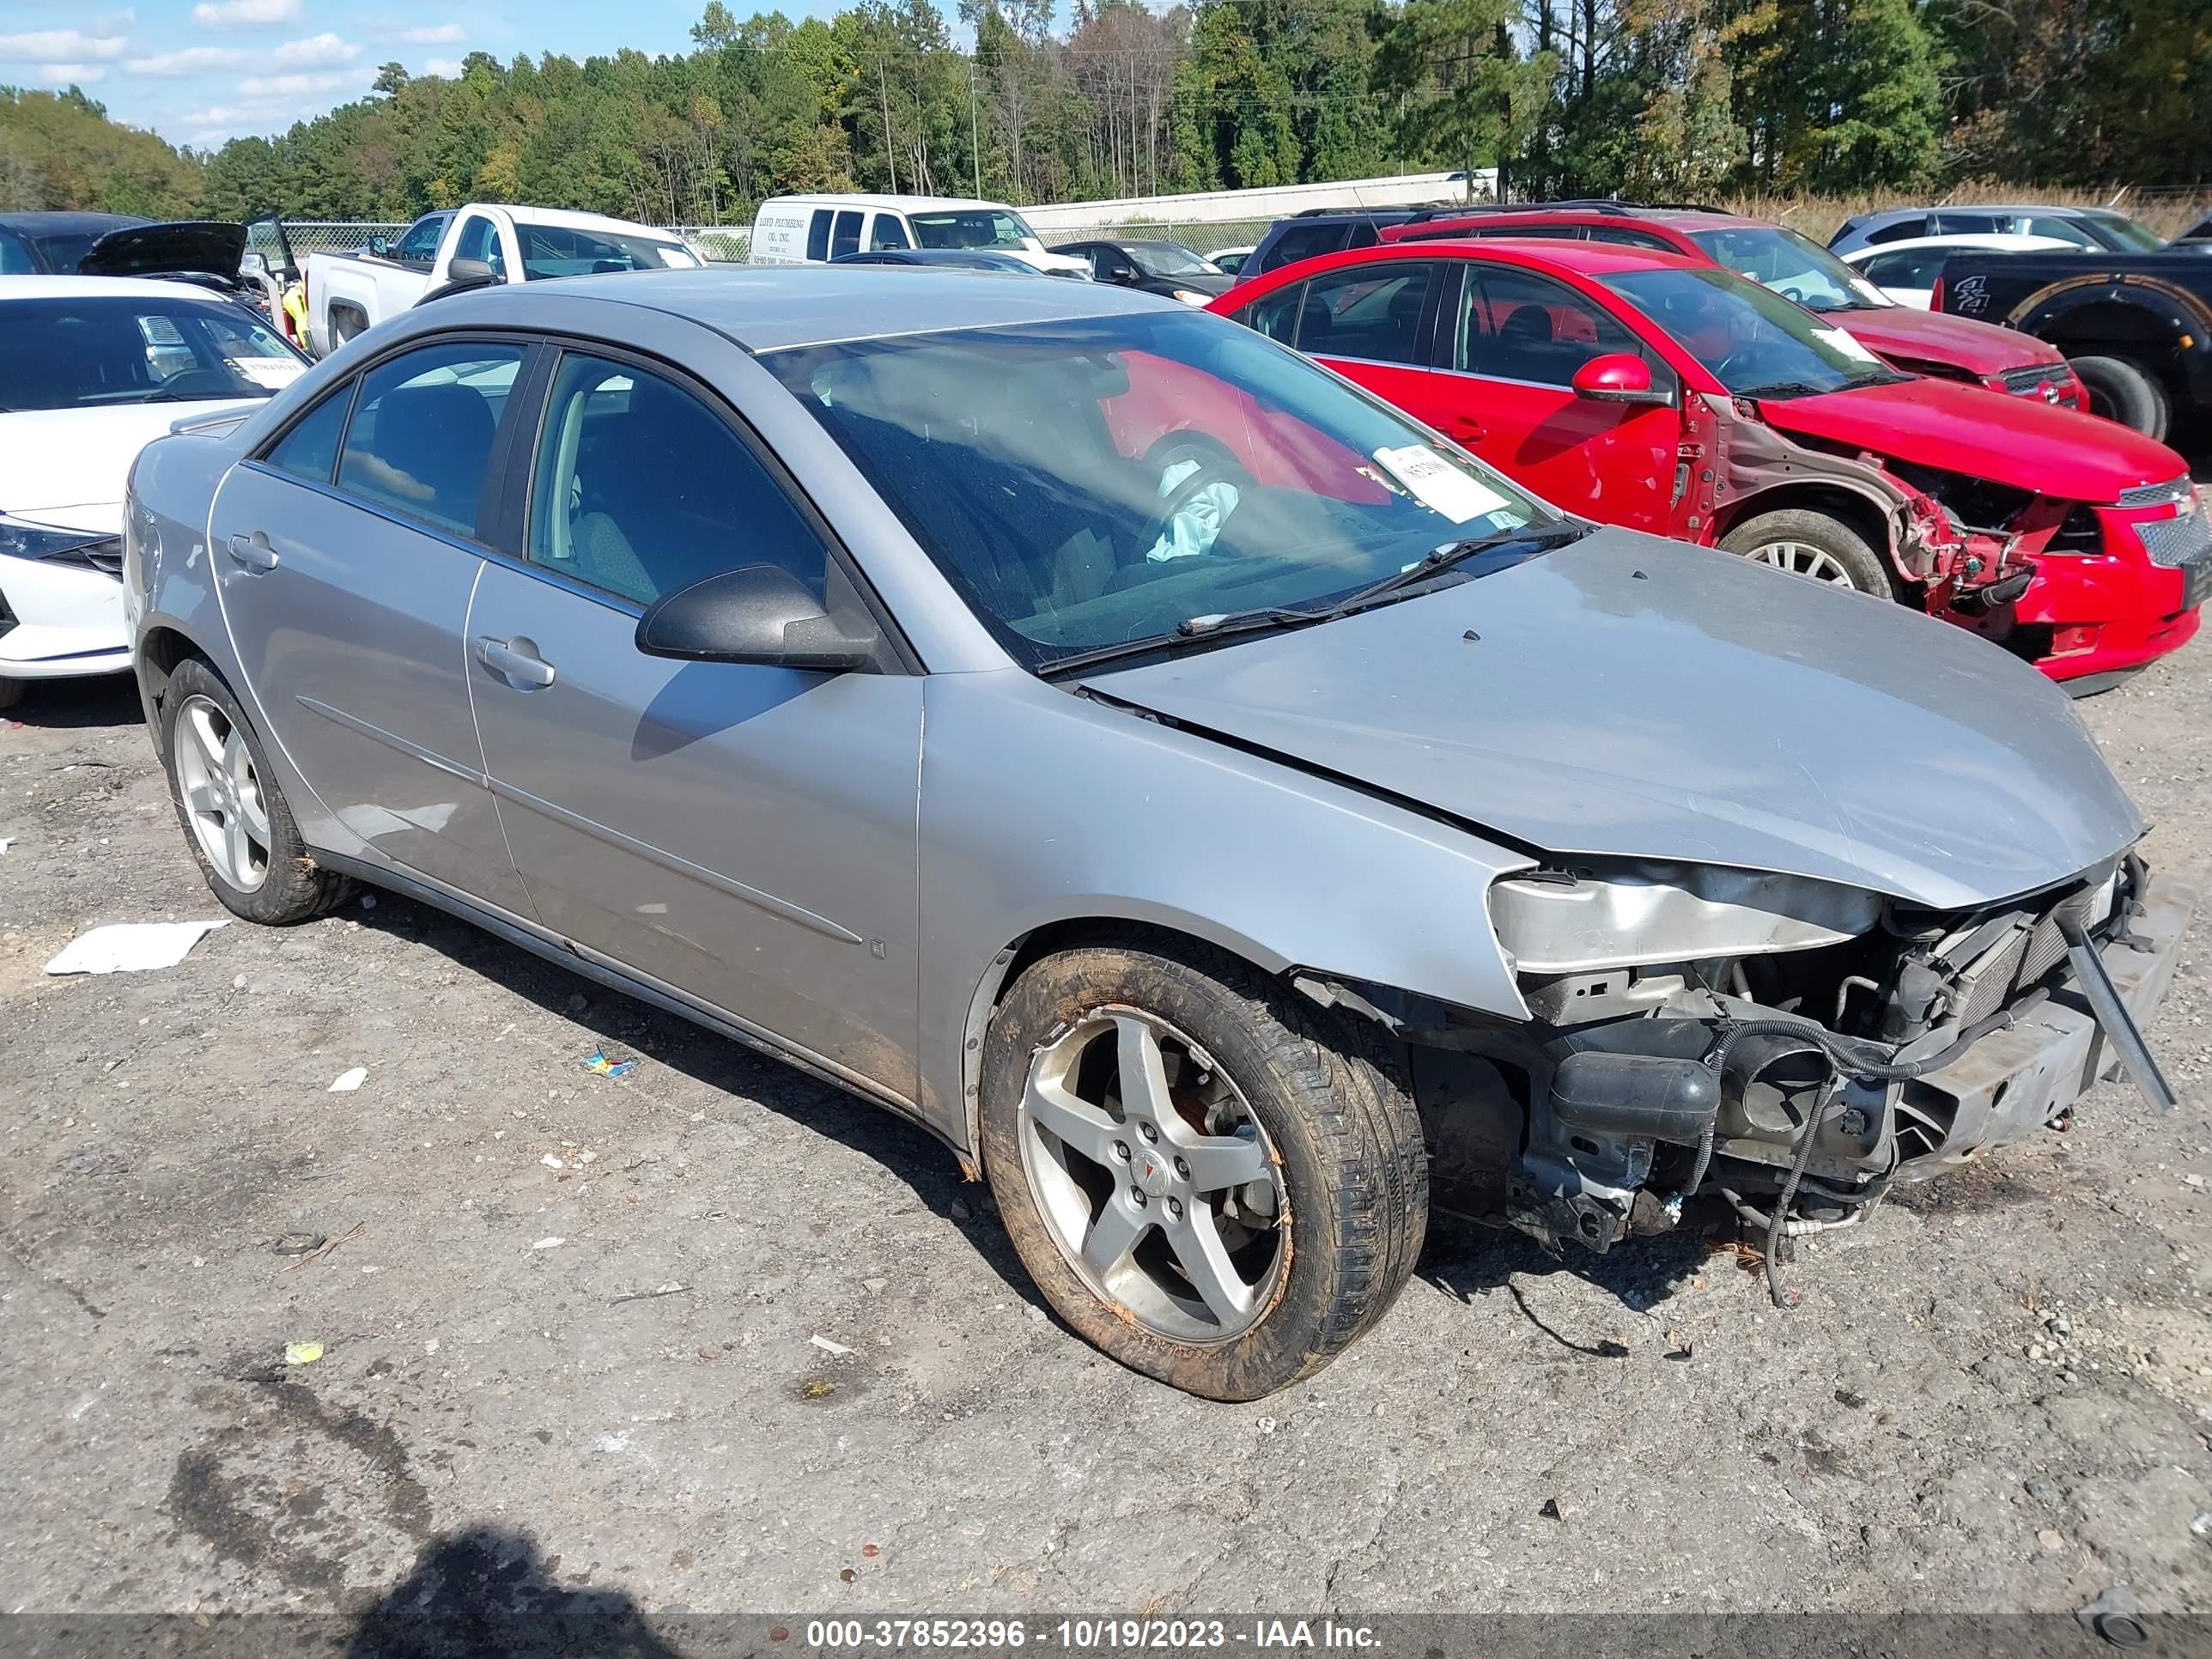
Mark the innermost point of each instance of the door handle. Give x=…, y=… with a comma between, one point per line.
x=253, y=551
x=517, y=658
x=1467, y=427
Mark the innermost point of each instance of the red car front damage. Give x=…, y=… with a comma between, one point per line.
x=2113, y=535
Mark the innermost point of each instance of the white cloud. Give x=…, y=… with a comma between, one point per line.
x=443, y=34
x=60, y=46
x=325, y=48
x=68, y=74
x=262, y=88
x=314, y=51
x=446, y=66
x=244, y=13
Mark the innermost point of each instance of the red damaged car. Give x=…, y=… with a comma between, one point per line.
x=1642, y=388
x=1919, y=341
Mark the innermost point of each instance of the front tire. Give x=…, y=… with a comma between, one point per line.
x=1815, y=546
x=231, y=809
x=2124, y=392
x=1239, y=1215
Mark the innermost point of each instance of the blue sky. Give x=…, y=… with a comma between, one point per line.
x=200, y=71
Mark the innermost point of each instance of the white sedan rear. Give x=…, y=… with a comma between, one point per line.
x=92, y=369
x=1906, y=271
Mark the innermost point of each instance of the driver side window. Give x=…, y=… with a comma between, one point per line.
x=1514, y=325
x=641, y=489
x=419, y=244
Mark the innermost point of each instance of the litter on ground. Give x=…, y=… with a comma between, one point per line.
x=302, y=1353
x=346, y=1082
x=130, y=947
x=599, y=1065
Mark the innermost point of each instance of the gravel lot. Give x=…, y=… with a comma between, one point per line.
x=583, y=1326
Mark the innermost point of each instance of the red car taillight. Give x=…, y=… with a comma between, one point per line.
x=1935, y=294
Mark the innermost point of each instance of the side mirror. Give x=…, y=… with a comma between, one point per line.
x=380, y=246
x=1618, y=377
x=254, y=265
x=760, y=614
x=469, y=273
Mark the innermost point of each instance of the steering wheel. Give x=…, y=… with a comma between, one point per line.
x=202, y=383
x=1209, y=471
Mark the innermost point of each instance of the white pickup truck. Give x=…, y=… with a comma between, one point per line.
x=348, y=294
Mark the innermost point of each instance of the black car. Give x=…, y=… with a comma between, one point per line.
x=963, y=258
x=50, y=244
x=1311, y=232
x=1166, y=268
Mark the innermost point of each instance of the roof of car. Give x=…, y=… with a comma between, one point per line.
x=895, y=203
x=102, y=288
x=568, y=218
x=66, y=221
x=2002, y=241
x=770, y=307
x=1682, y=218
x=1589, y=258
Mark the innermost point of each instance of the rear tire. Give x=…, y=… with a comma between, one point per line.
x=233, y=811
x=1813, y=545
x=1295, y=1107
x=2124, y=391
x=11, y=692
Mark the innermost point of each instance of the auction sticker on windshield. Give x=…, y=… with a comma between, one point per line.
x=1838, y=340
x=1437, y=484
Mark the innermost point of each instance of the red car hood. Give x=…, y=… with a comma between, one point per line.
x=1938, y=336
x=2019, y=441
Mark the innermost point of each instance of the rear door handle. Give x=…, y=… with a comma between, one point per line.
x=516, y=659
x=253, y=551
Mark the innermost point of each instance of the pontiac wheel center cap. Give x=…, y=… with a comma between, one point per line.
x=1155, y=1174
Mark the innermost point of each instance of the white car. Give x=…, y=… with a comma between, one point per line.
x=93, y=368
x=1230, y=260
x=801, y=230
x=1906, y=271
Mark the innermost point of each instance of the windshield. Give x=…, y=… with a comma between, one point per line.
x=1792, y=266
x=559, y=251
x=90, y=353
x=2128, y=234
x=1089, y=483
x=1167, y=259
x=972, y=227
x=1755, y=342
x=65, y=249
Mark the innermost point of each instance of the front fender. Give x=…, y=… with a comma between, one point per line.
x=1041, y=807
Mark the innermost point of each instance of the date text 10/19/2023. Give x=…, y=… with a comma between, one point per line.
x=1081, y=1635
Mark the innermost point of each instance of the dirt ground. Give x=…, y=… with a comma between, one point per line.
x=712, y=1336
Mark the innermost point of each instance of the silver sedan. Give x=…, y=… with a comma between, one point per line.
x=1229, y=816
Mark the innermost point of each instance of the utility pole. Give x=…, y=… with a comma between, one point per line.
x=975, y=136
x=890, y=155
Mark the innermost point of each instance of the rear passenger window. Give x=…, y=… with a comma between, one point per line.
x=421, y=435
x=642, y=489
x=1898, y=231
x=1276, y=315
x=1303, y=242
x=310, y=449
x=847, y=238
x=1372, y=311
x=1623, y=238
x=889, y=232
x=817, y=235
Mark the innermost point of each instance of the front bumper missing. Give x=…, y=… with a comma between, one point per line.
x=2017, y=1081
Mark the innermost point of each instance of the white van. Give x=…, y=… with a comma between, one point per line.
x=799, y=230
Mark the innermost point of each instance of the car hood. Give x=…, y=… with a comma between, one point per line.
x=1631, y=697
x=1057, y=263
x=67, y=466
x=208, y=247
x=2020, y=441
x=1984, y=349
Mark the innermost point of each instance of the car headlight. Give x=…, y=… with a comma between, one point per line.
x=1631, y=915
x=1191, y=297
x=21, y=539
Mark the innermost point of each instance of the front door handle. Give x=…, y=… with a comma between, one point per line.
x=253, y=551
x=1466, y=429
x=517, y=658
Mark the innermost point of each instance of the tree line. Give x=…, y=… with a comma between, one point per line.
x=1659, y=99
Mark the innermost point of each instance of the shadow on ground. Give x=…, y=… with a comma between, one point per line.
x=485, y=1593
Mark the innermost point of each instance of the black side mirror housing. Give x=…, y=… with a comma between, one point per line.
x=380, y=245
x=760, y=614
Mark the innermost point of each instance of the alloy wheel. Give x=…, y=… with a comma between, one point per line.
x=1802, y=559
x=222, y=789
x=1153, y=1175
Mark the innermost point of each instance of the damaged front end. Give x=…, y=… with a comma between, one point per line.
x=1793, y=1048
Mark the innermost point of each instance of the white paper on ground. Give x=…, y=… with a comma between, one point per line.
x=346, y=1082
x=1437, y=484
x=130, y=947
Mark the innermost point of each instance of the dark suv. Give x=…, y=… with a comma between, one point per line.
x=1793, y=266
x=1289, y=241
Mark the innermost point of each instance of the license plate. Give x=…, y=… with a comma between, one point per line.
x=2198, y=583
